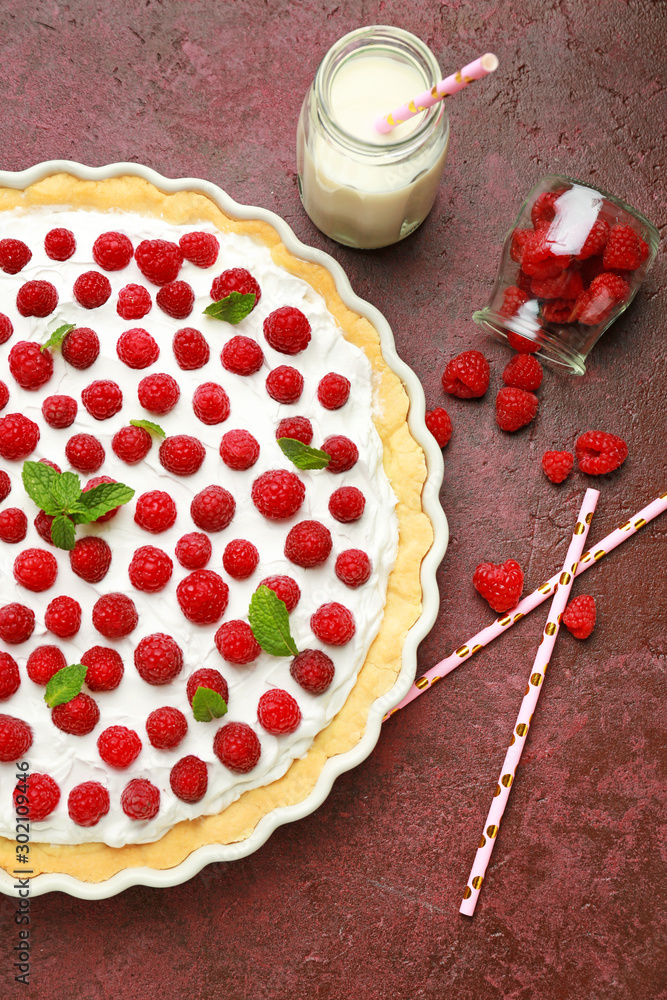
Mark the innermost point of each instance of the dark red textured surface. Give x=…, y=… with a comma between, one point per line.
x=361, y=899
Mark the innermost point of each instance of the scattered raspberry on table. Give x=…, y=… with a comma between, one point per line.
x=499, y=584
x=579, y=616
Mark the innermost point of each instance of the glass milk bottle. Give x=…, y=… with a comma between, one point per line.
x=362, y=188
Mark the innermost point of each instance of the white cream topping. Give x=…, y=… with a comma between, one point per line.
x=70, y=759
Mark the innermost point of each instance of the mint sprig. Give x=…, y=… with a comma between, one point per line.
x=65, y=685
x=148, y=425
x=59, y=495
x=57, y=337
x=269, y=622
x=233, y=308
x=208, y=704
x=302, y=455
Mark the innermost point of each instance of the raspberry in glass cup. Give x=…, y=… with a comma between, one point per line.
x=572, y=263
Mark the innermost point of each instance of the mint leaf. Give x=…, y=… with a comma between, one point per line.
x=148, y=425
x=269, y=622
x=57, y=337
x=62, y=532
x=38, y=480
x=65, y=685
x=208, y=705
x=100, y=500
x=233, y=308
x=66, y=489
x=303, y=456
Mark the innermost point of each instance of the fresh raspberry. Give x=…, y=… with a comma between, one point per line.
x=236, y=642
x=158, y=393
x=557, y=465
x=81, y=347
x=333, y=391
x=131, y=444
x=595, y=241
x=523, y=371
x=92, y=289
x=519, y=238
x=155, y=511
x=278, y=494
x=188, y=779
x=17, y=623
x=6, y=328
x=176, y=299
x=467, y=375
x=181, y=454
x=544, y=207
x=557, y=310
x=42, y=793
x=90, y=558
x=599, y=453
x=112, y=251
x=513, y=299
x=118, y=746
x=51, y=465
x=10, y=679
x=18, y=436
x=284, y=384
x=36, y=298
x=4, y=395
x=44, y=662
x=99, y=481
x=87, y=803
x=285, y=588
x=207, y=677
x=59, y=244
x=199, y=248
x=278, y=712
x=150, y=569
x=35, y=569
x=5, y=485
x=240, y=559
x=31, y=367
x=158, y=658
x=105, y=668
x=159, y=260
x=313, y=670
x=63, y=617
x=297, y=428
x=239, y=450
x=236, y=279
x=213, y=508
x=308, y=544
x=190, y=349
x=439, y=424
x=115, y=616
x=137, y=349
x=166, y=727
x=538, y=259
x=353, y=568
x=194, y=550
x=102, y=399
x=347, y=504
x=287, y=330
x=77, y=717
x=84, y=453
x=140, y=799
x=515, y=408
x=333, y=623
x=566, y=285
x=598, y=302
x=15, y=738
x=134, y=302
x=500, y=585
x=203, y=597
x=625, y=250
x=59, y=411
x=237, y=746
x=242, y=356
x=524, y=282
x=579, y=616
x=14, y=255
x=13, y=525
x=342, y=452
x=210, y=403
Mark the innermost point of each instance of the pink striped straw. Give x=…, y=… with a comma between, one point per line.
x=505, y=622
x=457, y=81
x=529, y=704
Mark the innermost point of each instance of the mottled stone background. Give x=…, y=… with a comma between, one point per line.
x=360, y=900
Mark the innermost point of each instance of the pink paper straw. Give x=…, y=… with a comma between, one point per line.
x=529, y=703
x=457, y=81
x=505, y=622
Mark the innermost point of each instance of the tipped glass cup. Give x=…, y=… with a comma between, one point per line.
x=571, y=264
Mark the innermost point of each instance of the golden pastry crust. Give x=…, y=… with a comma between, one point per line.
x=405, y=466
